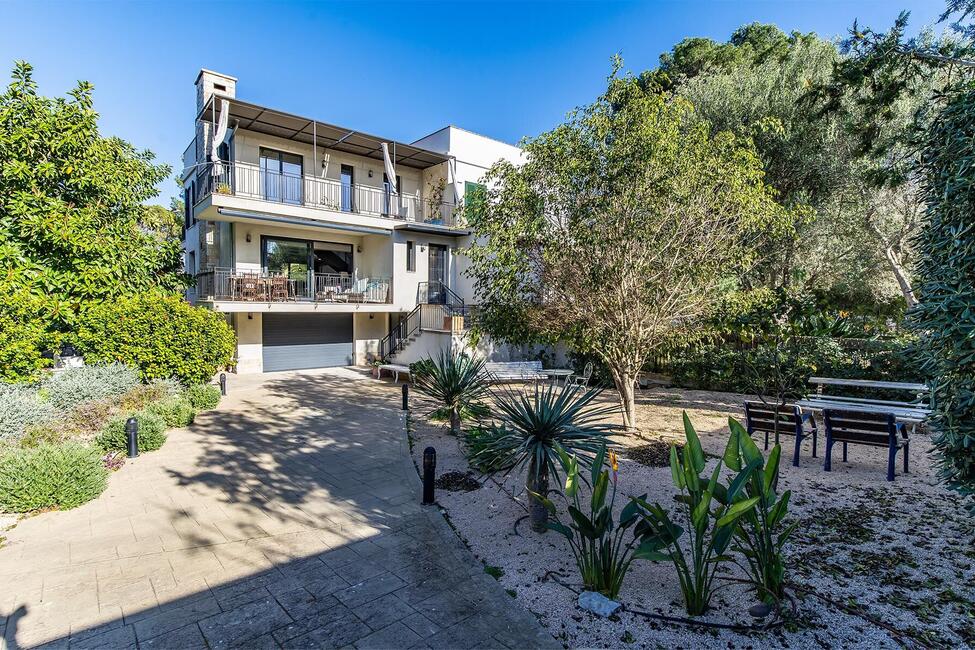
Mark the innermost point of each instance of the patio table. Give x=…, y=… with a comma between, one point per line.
x=556, y=374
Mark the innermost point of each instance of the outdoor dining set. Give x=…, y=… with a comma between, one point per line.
x=846, y=419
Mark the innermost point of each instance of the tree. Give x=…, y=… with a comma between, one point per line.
x=74, y=226
x=945, y=315
x=761, y=84
x=618, y=229
x=882, y=69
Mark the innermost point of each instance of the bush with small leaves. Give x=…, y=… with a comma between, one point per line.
x=20, y=407
x=74, y=386
x=50, y=476
x=152, y=432
x=203, y=397
x=175, y=411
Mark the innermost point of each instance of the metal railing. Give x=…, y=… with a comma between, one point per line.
x=226, y=284
x=252, y=182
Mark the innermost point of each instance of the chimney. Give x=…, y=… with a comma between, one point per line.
x=209, y=83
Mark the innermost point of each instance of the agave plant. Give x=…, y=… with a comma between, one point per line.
x=456, y=381
x=535, y=427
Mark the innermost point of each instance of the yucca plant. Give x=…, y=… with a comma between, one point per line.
x=456, y=382
x=710, y=530
x=535, y=427
x=599, y=545
x=762, y=531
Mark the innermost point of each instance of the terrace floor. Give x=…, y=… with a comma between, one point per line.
x=289, y=516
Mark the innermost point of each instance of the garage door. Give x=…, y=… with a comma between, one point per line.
x=295, y=341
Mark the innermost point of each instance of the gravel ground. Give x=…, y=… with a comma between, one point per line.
x=899, y=553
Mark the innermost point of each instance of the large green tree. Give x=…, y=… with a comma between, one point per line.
x=882, y=69
x=74, y=226
x=759, y=84
x=619, y=228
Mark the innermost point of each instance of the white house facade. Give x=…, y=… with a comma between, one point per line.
x=323, y=245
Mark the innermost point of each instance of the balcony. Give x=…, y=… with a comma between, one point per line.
x=250, y=181
x=225, y=284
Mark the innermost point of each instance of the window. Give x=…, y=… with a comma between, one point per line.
x=188, y=205
x=475, y=195
x=191, y=263
x=391, y=207
x=347, y=181
x=410, y=255
x=295, y=258
x=281, y=176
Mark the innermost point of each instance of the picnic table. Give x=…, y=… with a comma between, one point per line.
x=913, y=412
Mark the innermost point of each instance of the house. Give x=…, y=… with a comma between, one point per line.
x=324, y=245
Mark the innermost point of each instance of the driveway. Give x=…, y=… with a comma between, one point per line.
x=288, y=517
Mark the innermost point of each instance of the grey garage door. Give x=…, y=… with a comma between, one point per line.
x=295, y=341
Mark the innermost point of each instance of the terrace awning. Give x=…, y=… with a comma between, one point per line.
x=260, y=119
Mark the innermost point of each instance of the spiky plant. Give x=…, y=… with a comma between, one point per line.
x=535, y=427
x=456, y=382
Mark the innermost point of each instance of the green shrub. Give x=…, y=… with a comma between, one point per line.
x=203, y=397
x=152, y=432
x=23, y=335
x=164, y=336
x=145, y=394
x=50, y=476
x=175, y=411
x=73, y=386
x=20, y=407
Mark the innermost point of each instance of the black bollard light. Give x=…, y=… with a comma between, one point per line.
x=223, y=384
x=132, y=434
x=429, y=471
x=406, y=397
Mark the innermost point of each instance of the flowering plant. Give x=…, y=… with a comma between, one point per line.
x=599, y=545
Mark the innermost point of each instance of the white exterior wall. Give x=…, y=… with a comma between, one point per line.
x=379, y=256
x=473, y=155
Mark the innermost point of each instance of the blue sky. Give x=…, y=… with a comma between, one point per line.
x=399, y=70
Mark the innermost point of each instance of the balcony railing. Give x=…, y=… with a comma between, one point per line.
x=252, y=182
x=225, y=284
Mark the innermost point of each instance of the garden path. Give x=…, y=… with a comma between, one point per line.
x=287, y=517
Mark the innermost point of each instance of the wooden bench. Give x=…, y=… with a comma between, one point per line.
x=913, y=412
x=511, y=371
x=397, y=370
x=866, y=428
x=780, y=419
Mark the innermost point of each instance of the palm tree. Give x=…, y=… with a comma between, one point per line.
x=534, y=426
x=456, y=381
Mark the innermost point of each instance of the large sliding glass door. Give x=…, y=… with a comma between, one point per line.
x=307, y=264
x=281, y=176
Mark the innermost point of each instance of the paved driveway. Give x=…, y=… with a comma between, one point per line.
x=287, y=517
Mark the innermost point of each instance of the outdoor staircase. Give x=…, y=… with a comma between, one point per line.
x=438, y=311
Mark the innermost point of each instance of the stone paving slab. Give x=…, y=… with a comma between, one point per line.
x=288, y=517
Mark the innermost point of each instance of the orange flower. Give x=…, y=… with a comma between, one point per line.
x=612, y=461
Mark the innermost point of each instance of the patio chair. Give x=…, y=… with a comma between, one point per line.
x=581, y=381
x=780, y=419
x=278, y=288
x=872, y=429
x=250, y=289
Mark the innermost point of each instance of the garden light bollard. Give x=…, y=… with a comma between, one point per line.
x=429, y=471
x=406, y=397
x=223, y=384
x=132, y=435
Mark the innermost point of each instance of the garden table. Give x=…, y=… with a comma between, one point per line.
x=556, y=374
